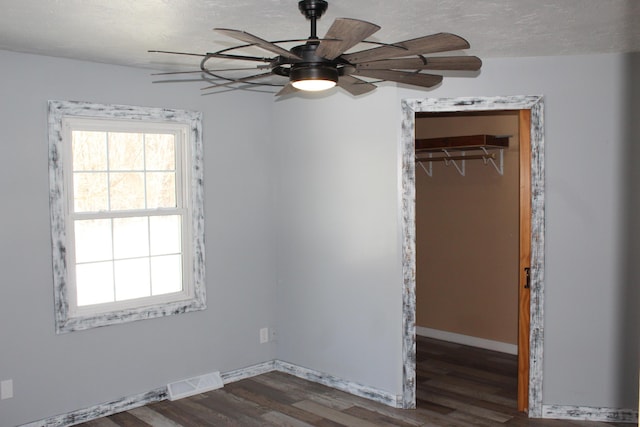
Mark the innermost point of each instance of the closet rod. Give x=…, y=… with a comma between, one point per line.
x=445, y=158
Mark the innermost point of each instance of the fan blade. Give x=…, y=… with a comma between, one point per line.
x=416, y=79
x=238, y=57
x=176, y=72
x=462, y=63
x=354, y=85
x=182, y=80
x=347, y=33
x=243, y=79
x=255, y=40
x=211, y=71
x=288, y=89
x=176, y=53
x=440, y=42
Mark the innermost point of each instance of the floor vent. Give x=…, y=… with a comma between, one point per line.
x=196, y=385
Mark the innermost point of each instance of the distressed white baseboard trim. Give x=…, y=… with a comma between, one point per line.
x=502, y=347
x=131, y=402
x=340, y=384
x=589, y=413
x=102, y=410
x=248, y=372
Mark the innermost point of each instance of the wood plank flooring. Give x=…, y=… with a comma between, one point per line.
x=457, y=386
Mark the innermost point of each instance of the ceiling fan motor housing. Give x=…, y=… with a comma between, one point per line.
x=307, y=52
x=309, y=66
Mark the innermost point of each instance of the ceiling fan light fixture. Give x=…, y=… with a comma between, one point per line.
x=317, y=64
x=313, y=78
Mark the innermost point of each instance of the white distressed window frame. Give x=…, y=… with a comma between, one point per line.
x=67, y=317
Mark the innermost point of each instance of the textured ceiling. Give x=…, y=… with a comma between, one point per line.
x=121, y=31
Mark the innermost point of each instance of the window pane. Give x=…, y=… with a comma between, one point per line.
x=161, y=190
x=166, y=274
x=127, y=191
x=126, y=151
x=93, y=240
x=165, y=235
x=94, y=283
x=90, y=192
x=160, y=152
x=130, y=237
x=132, y=279
x=89, y=151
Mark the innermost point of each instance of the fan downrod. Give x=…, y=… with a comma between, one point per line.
x=313, y=10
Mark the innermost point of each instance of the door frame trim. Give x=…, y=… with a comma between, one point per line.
x=408, y=230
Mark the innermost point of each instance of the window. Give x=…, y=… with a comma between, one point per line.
x=127, y=223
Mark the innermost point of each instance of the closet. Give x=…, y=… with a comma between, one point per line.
x=467, y=228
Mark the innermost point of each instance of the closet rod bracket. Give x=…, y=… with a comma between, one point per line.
x=498, y=167
x=449, y=160
x=427, y=169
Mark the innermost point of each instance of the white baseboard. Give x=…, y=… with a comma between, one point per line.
x=467, y=340
x=350, y=387
x=251, y=371
x=131, y=402
x=102, y=410
x=588, y=413
x=127, y=403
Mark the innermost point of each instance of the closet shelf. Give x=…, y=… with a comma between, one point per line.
x=425, y=148
x=461, y=143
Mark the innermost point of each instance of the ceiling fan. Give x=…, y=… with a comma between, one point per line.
x=321, y=63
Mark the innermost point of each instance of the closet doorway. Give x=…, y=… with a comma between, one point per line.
x=467, y=229
x=528, y=224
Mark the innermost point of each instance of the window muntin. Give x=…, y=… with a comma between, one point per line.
x=127, y=214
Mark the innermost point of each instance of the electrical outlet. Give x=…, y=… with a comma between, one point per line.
x=272, y=334
x=6, y=389
x=264, y=335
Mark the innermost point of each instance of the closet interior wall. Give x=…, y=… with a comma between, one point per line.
x=467, y=234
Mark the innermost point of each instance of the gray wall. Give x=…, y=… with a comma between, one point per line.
x=339, y=287
x=629, y=228
x=318, y=180
x=57, y=374
x=591, y=335
x=340, y=277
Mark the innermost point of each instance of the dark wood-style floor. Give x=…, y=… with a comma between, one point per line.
x=456, y=386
